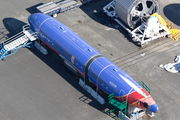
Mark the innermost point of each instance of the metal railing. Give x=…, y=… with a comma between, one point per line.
x=144, y=86
x=11, y=39
x=121, y=106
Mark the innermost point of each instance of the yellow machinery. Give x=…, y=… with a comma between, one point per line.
x=174, y=33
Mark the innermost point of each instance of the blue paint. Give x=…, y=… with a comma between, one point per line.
x=67, y=43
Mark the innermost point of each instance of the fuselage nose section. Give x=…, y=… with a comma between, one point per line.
x=32, y=23
x=30, y=19
x=36, y=20
x=153, y=108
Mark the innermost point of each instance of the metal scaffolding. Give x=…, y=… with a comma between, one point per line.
x=22, y=39
x=121, y=106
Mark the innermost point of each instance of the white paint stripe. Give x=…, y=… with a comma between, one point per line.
x=134, y=86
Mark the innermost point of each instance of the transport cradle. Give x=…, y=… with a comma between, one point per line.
x=152, y=26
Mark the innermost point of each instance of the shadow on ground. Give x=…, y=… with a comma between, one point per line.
x=12, y=27
x=172, y=12
x=32, y=9
x=95, y=11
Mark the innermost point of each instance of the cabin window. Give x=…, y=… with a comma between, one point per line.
x=115, y=70
x=38, y=23
x=57, y=47
x=72, y=59
x=48, y=39
x=31, y=19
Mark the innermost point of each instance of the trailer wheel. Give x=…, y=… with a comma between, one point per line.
x=55, y=15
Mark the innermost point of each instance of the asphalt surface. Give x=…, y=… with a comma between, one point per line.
x=38, y=87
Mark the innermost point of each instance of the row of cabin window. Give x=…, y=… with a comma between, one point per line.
x=50, y=41
x=65, y=53
x=76, y=62
x=91, y=74
x=69, y=56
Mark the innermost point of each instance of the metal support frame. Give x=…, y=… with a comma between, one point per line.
x=4, y=53
x=121, y=106
x=139, y=33
x=144, y=86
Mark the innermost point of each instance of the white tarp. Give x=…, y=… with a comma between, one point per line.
x=172, y=67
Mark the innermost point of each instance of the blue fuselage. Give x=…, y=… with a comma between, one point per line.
x=102, y=72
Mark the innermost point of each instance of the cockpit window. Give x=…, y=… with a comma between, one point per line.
x=31, y=19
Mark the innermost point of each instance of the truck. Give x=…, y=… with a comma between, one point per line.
x=53, y=8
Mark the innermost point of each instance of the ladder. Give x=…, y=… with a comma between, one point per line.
x=22, y=39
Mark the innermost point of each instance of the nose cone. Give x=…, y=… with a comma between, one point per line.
x=153, y=108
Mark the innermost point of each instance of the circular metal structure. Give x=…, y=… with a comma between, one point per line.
x=132, y=11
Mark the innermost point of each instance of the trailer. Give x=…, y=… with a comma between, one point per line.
x=144, y=26
x=69, y=5
x=54, y=8
x=50, y=8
